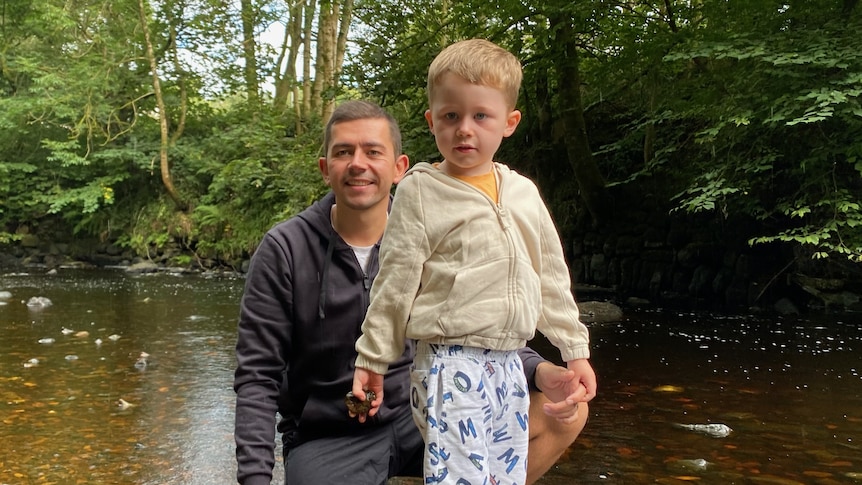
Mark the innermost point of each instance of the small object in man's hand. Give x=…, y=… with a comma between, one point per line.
x=358, y=406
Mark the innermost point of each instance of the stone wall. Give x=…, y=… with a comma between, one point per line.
x=692, y=262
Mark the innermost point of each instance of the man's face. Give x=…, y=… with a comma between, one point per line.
x=360, y=163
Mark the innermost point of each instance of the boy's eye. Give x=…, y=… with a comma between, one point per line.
x=450, y=116
x=481, y=116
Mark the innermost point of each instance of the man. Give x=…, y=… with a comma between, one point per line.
x=305, y=298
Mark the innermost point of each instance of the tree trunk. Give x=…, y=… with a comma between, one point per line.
x=181, y=80
x=341, y=42
x=249, y=47
x=286, y=95
x=307, y=31
x=334, y=22
x=651, y=80
x=321, y=95
x=590, y=180
x=163, y=112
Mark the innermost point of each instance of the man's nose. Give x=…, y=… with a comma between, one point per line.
x=358, y=162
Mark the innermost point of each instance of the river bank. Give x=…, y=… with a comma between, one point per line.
x=693, y=276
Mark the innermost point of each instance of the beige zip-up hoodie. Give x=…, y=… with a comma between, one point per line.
x=457, y=268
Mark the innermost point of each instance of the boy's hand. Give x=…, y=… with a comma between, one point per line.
x=559, y=385
x=567, y=386
x=364, y=379
x=585, y=376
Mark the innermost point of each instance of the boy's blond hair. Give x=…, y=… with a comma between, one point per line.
x=479, y=62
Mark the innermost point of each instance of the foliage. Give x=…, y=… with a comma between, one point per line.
x=740, y=110
x=80, y=138
x=260, y=177
x=781, y=141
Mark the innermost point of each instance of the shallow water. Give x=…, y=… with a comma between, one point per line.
x=791, y=390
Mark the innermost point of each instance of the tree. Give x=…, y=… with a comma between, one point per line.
x=324, y=49
x=745, y=113
x=63, y=106
x=162, y=110
x=565, y=51
x=286, y=82
x=333, y=25
x=249, y=48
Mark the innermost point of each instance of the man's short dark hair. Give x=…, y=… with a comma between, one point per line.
x=361, y=110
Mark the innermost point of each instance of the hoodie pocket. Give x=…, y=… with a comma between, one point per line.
x=484, y=298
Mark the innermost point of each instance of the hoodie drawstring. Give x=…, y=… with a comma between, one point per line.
x=325, y=280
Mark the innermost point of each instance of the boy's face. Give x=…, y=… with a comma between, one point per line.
x=361, y=164
x=469, y=121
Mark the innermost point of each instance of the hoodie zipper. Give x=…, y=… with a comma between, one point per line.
x=503, y=219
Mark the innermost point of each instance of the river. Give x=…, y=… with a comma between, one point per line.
x=79, y=405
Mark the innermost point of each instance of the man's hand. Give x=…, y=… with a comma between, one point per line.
x=364, y=379
x=564, y=389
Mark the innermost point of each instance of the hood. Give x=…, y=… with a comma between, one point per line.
x=318, y=214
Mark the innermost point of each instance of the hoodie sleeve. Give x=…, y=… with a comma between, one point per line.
x=403, y=252
x=531, y=360
x=263, y=334
x=560, y=319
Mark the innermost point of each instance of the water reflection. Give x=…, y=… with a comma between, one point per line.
x=790, y=390
x=63, y=422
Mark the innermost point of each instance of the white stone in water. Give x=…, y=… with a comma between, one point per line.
x=688, y=466
x=716, y=430
x=39, y=302
x=46, y=340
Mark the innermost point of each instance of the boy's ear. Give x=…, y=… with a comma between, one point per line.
x=430, y=120
x=402, y=163
x=512, y=121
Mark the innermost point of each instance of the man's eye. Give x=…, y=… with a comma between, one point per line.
x=341, y=153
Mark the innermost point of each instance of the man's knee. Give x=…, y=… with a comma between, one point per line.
x=550, y=437
x=546, y=427
x=570, y=431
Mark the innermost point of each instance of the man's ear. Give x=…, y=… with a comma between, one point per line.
x=324, y=169
x=512, y=122
x=402, y=163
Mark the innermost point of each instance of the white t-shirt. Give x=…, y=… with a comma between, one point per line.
x=362, y=254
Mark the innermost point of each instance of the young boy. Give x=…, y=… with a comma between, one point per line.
x=471, y=266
